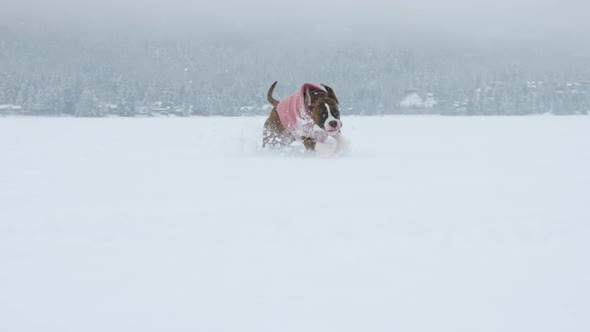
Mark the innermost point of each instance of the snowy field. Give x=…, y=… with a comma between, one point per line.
x=168, y=224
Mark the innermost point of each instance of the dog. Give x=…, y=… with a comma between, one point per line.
x=310, y=115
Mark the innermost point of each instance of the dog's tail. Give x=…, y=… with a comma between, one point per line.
x=271, y=100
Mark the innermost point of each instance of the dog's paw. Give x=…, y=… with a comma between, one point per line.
x=342, y=145
x=339, y=145
x=325, y=149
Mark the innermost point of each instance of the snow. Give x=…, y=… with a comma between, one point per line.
x=183, y=224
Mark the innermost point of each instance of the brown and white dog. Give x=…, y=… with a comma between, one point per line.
x=310, y=115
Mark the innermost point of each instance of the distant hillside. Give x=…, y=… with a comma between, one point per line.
x=229, y=74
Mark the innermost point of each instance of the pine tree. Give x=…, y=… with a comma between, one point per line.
x=88, y=104
x=125, y=98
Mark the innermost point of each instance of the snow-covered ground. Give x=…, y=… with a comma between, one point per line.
x=164, y=224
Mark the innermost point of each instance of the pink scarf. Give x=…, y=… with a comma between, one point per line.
x=296, y=117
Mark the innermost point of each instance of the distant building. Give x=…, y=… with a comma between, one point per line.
x=413, y=100
x=9, y=109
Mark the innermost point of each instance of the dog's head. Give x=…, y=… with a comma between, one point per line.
x=324, y=109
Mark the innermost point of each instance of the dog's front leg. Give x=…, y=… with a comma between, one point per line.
x=309, y=143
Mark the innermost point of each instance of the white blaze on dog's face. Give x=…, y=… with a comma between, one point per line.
x=326, y=114
x=332, y=123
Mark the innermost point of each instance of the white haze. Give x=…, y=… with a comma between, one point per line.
x=216, y=57
x=548, y=20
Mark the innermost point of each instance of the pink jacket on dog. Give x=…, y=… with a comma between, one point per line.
x=296, y=117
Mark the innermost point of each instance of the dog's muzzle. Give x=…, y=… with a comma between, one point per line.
x=333, y=127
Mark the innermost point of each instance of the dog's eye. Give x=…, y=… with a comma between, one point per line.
x=336, y=113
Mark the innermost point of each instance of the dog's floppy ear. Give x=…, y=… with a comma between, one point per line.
x=307, y=98
x=331, y=93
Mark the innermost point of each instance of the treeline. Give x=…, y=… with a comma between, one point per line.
x=229, y=75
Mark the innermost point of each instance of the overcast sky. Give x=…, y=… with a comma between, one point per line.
x=521, y=18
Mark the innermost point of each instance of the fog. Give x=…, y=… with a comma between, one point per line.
x=483, y=18
x=372, y=51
